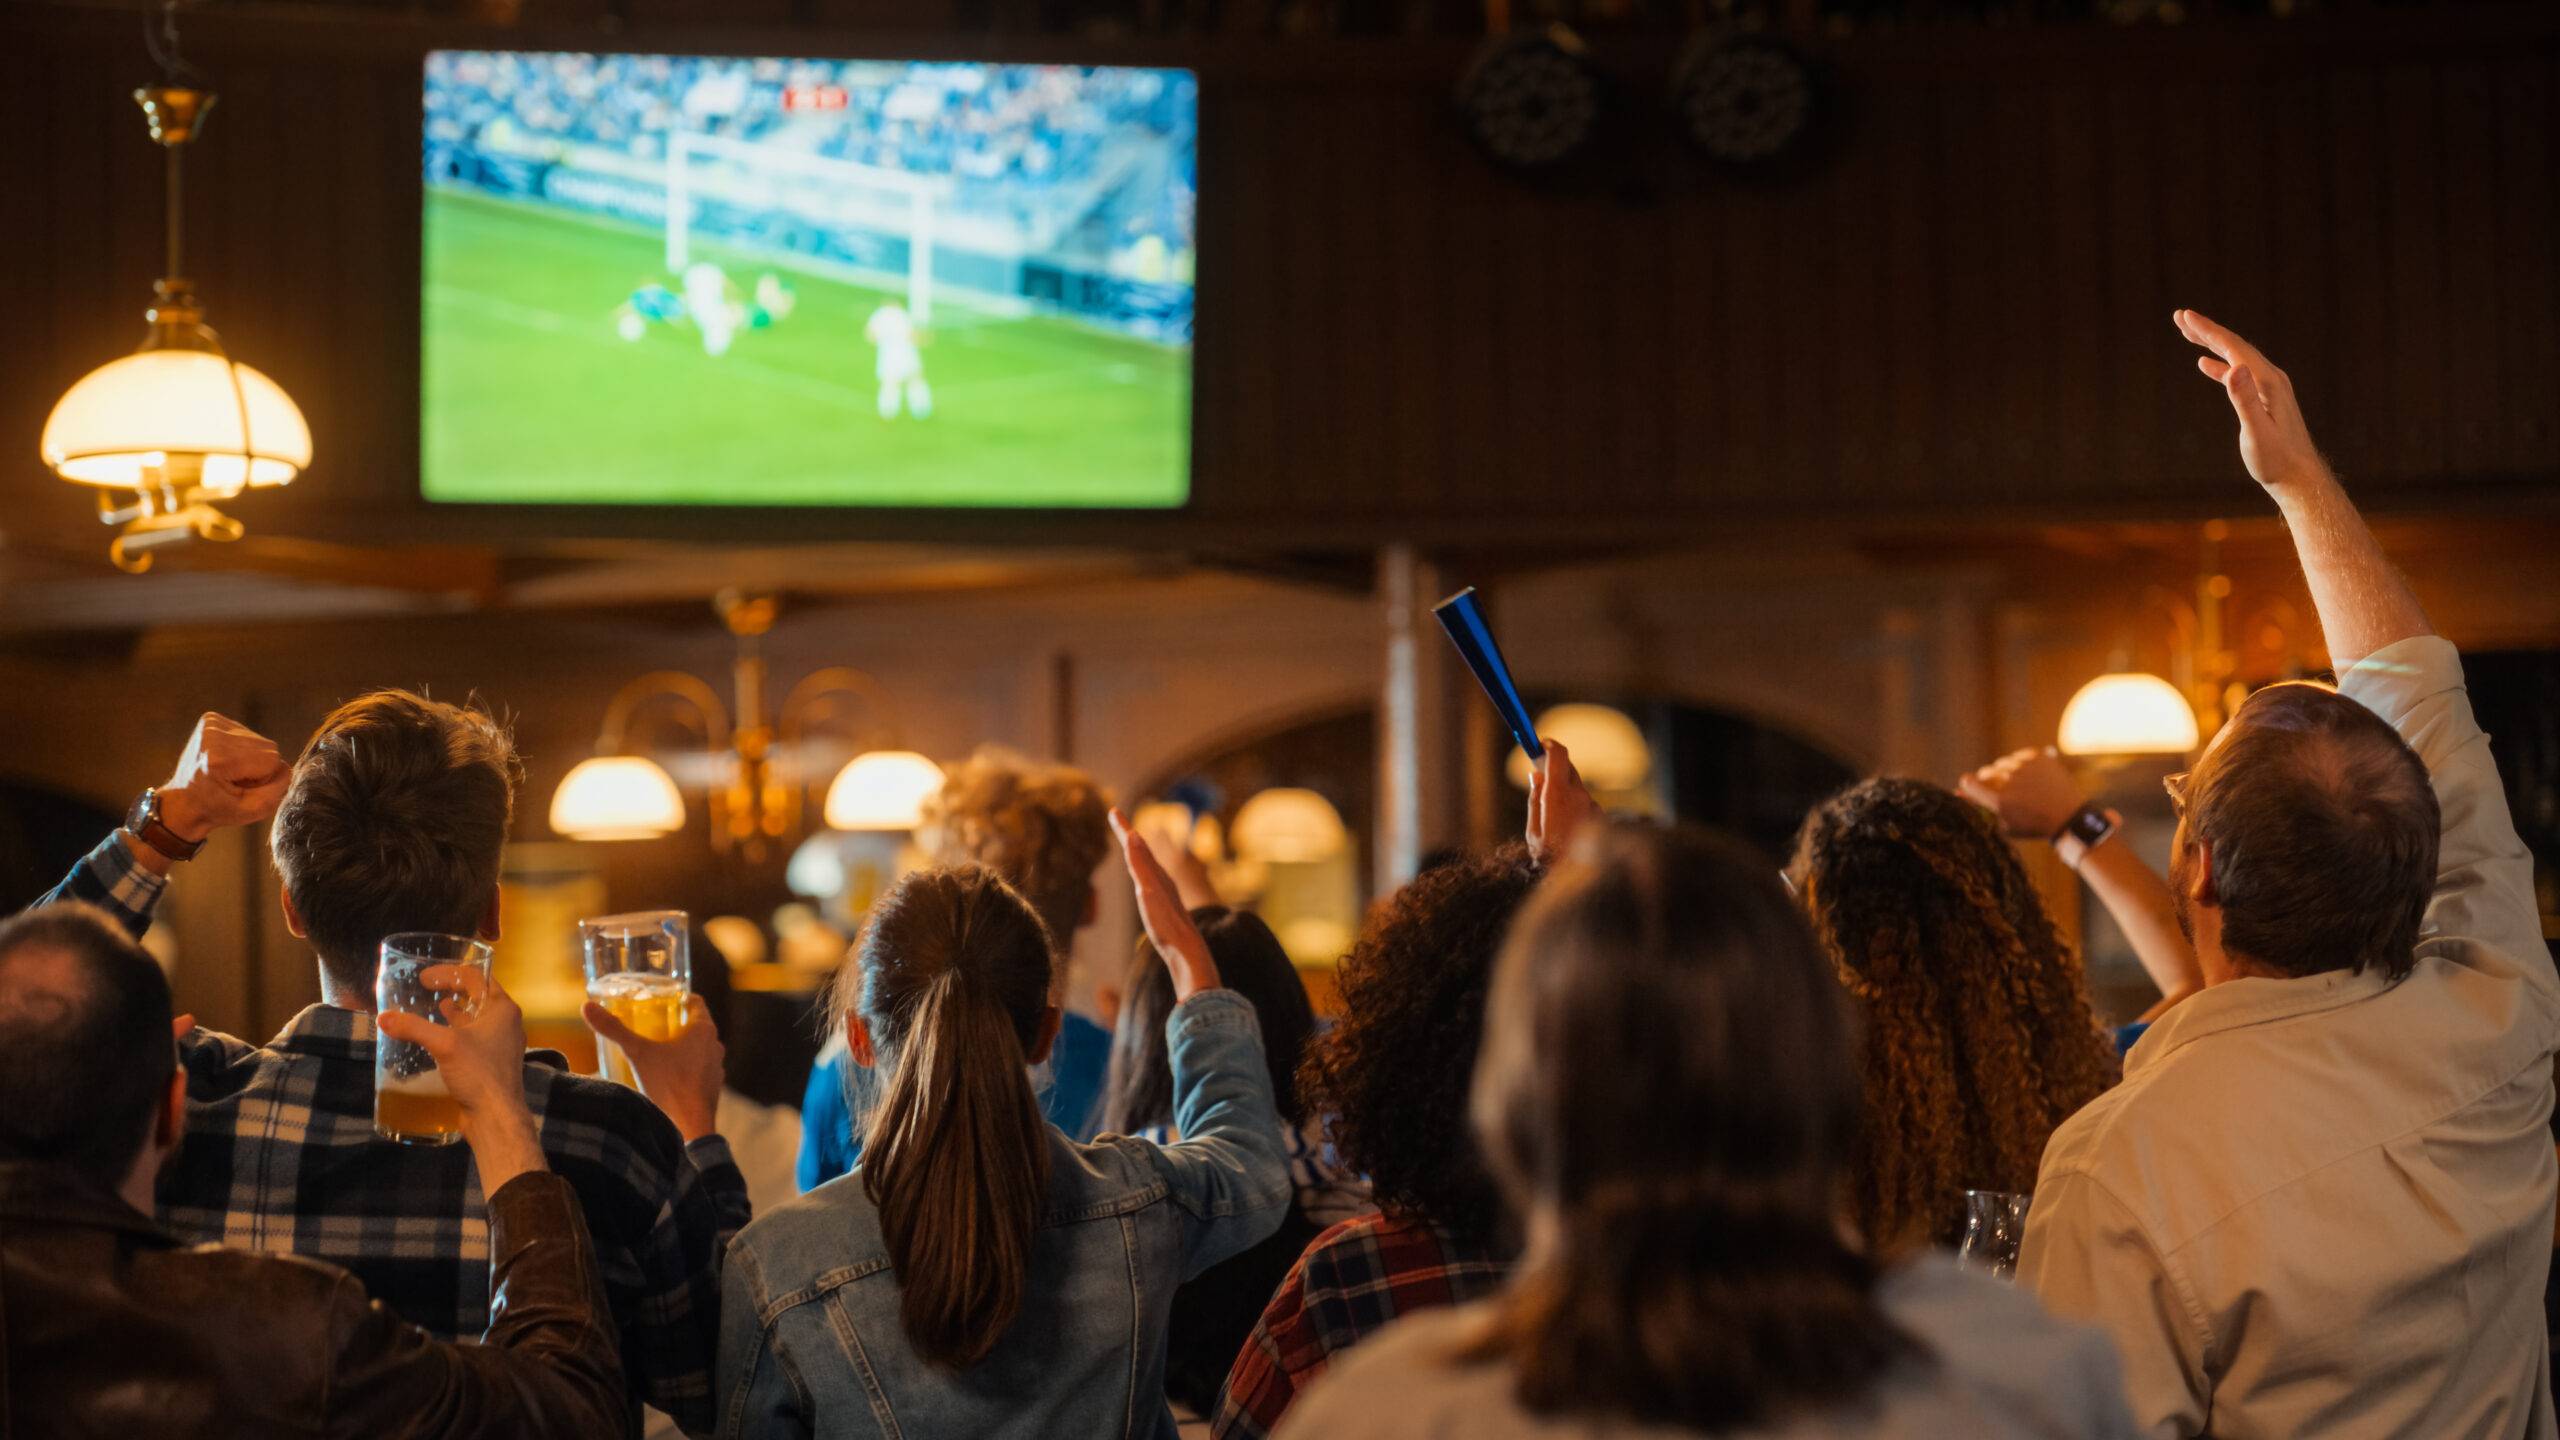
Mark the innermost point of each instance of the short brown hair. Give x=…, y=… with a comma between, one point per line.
x=1044, y=828
x=2322, y=829
x=84, y=1046
x=395, y=821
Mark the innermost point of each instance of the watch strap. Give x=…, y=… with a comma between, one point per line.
x=145, y=823
x=2084, y=831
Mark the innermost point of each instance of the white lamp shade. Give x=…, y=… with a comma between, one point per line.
x=176, y=409
x=2128, y=713
x=882, y=790
x=1289, y=826
x=617, y=797
x=1606, y=746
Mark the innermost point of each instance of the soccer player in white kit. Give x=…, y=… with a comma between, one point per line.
x=898, y=364
x=713, y=308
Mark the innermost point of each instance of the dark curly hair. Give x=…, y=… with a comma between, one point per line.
x=1979, y=1038
x=1393, y=1075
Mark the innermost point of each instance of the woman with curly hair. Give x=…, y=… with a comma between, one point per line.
x=1979, y=1037
x=1392, y=1081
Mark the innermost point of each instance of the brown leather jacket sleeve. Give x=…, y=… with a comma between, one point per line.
x=548, y=1367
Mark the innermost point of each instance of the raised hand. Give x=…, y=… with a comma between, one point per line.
x=682, y=1076
x=1160, y=909
x=1560, y=805
x=2274, y=442
x=229, y=775
x=2031, y=791
x=480, y=1054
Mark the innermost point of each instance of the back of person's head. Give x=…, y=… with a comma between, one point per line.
x=85, y=1054
x=1044, y=828
x=1979, y=1036
x=1666, y=1094
x=395, y=821
x=1251, y=963
x=952, y=980
x=1391, y=1078
x=2321, y=829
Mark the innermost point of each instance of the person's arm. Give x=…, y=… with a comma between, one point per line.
x=760, y=1395
x=2033, y=795
x=228, y=775
x=2364, y=605
x=2086, y=1258
x=1230, y=1171
x=548, y=1367
x=2389, y=660
x=1561, y=809
x=683, y=1075
x=550, y=1362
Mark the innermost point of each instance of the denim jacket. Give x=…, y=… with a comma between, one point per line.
x=810, y=1337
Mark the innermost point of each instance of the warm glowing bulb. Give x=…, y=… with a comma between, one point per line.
x=162, y=415
x=1607, y=748
x=2128, y=713
x=1289, y=826
x=883, y=790
x=617, y=797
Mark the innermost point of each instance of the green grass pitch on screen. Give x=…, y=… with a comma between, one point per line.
x=533, y=394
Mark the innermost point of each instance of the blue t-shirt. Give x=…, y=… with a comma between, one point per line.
x=2125, y=1036
x=1078, y=1065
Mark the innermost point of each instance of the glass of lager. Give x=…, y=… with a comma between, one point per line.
x=640, y=967
x=410, y=1103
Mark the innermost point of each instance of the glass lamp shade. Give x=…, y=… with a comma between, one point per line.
x=177, y=412
x=882, y=790
x=1606, y=746
x=2128, y=713
x=1289, y=826
x=617, y=797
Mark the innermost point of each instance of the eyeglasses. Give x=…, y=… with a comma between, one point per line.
x=2176, y=785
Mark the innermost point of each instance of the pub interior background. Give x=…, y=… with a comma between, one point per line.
x=1865, y=465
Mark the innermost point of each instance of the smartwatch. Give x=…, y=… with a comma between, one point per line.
x=145, y=823
x=2082, y=833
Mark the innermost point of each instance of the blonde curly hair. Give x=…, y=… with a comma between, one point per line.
x=1044, y=828
x=1979, y=1034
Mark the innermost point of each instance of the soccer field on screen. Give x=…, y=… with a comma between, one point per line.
x=531, y=394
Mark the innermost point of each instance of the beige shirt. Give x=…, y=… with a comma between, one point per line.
x=2324, y=1206
x=1997, y=1368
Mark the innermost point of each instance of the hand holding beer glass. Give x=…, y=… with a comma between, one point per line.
x=412, y=1102
x=649, y=1033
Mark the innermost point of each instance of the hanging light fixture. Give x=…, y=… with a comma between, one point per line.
x=2128, y=713
x=755, y=795
x=168, y=430
x=1608, y=749
x=1289, y=826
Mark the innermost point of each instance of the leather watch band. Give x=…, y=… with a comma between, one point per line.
x=145, y=823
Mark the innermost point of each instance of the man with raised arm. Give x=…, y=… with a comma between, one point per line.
x=2321, y=1201
x=394, y=819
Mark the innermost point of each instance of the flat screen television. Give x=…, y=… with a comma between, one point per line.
x=708, y=280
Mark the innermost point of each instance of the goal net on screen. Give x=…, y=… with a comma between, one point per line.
x=889, y=214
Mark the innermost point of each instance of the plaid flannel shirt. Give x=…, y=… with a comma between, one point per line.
x=280, y=1156
x=1352, y=1280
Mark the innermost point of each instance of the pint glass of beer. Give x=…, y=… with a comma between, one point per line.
x=410, y=1102
x=639, y=966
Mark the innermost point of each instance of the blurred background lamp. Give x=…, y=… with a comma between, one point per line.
x=2128, y=713
x=1606, y=745
x=1289, y=826
x=617, y=797
x=882, y=790
x=1532, y=102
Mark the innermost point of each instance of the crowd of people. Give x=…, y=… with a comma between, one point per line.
x=1618, y=1134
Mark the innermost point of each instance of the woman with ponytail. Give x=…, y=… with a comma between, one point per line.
x=1978, y=1034
x=1666, y=1095
x=979, y=1273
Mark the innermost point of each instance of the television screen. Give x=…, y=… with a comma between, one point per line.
x=667, y=279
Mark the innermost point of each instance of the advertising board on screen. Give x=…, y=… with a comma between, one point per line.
x=698, y=280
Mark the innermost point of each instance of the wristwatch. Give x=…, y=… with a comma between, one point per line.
x=2081, y=834
x=145, y=823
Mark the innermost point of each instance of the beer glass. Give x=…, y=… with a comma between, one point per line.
x=410, y=1102
x=639, y=967
x=1994, y=1223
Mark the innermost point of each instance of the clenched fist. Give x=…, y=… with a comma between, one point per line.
x=229, y=775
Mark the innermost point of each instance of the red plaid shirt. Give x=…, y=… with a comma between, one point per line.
x=1353, y=1279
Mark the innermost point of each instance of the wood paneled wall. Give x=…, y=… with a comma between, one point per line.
x=1964, y=308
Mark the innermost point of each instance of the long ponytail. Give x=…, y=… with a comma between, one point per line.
x=954, y=987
